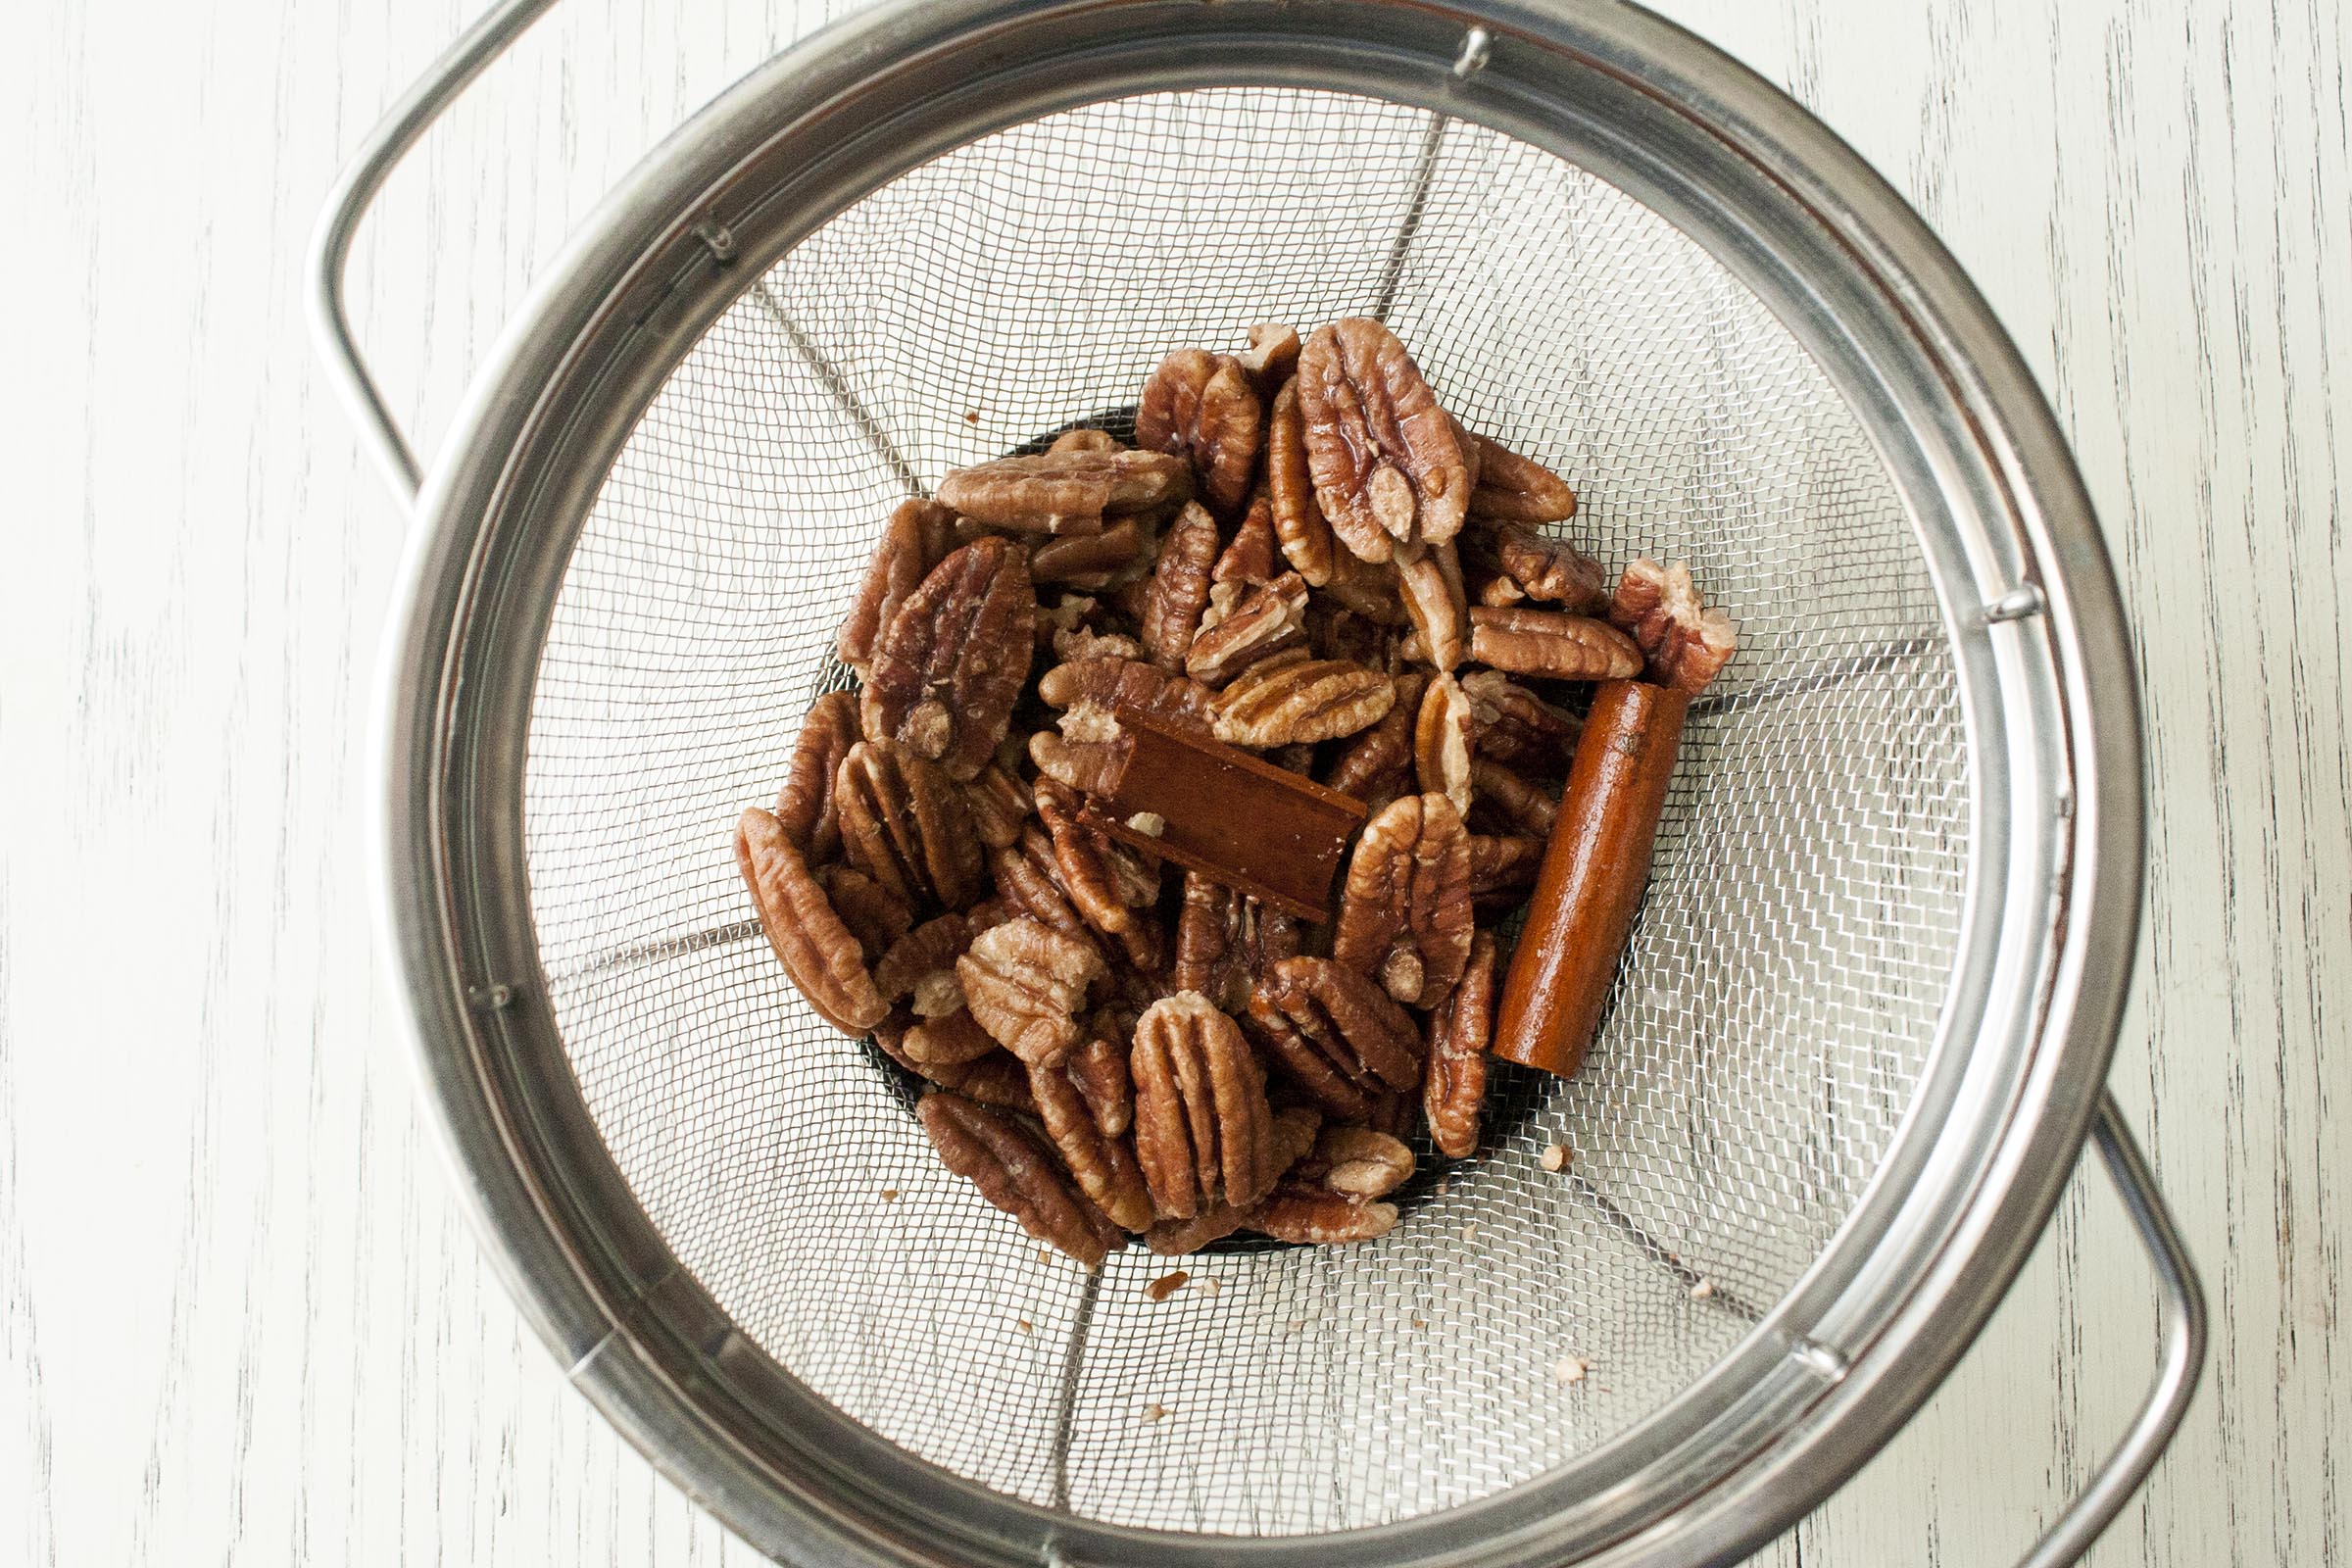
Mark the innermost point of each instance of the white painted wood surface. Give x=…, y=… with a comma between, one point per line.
x=240, y=1318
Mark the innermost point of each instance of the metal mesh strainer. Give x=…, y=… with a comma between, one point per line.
x=1853, y=1043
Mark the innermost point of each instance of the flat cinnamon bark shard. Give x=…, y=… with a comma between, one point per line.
x=1210, y=808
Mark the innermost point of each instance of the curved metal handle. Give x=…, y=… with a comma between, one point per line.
x=2176, y=1373
x=356, y=189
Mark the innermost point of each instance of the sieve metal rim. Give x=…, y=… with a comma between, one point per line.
x=639, y=1335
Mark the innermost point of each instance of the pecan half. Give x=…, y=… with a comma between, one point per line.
x=954, y=658
x=1298, y=523
x=1180, y=587
x=1084, y=438
x=1108, y=881
x=1204, y=1132
x=1094, y=559
x=1271, y=356
x=1014, y=1171
x=1255, y=556
x=816, y=950
x=1406, y=913
x=1024, y=984
x=1097, y=1070
x=907, y=824
x=1314, y=1217
x=917, y=538
x=1541, y=566
x=1028, y=877
x=1369, y=588
x=999, y=807
x=1378, y=765
x=1503, y=865
x=1261, y=622
x=920, y=968
x=1521, y=807
x=1065, y=492
x=1387, y=465
x=939, y=1045
x=1335, y=1034
x=1454, y=1088
x=1430, y=582
x=1515, y=488
x=1103, y=1166
x=1441, y=733
x=1224, y=940
x=1205, y=406
x=1173, y=1237
x=1516, y=727
x=1090, y=744
x=805, y=804
x=1279, y=701
x=874, y=915
x=1683, y=643
x=1334, y=632
x=1360, y=1163
x=1547, y=642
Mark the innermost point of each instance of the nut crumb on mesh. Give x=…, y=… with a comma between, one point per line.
x=1702, y=1290
x=1294, y=1325
x=1555, y=1157
x=1024, y=1324
x=1419, y=1321
x=1155, y=1412
x=971, y=416
x=889, y=1194
x=1207, y=1285
x=1470, y=1232
x=1570, y=1369
x=1167, y=1284
x=1444, y=1185
x=1044, y=1257
x=1151, y=824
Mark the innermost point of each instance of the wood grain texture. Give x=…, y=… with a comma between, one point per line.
x=240, y=1317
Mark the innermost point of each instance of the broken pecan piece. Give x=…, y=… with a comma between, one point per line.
x=1503, y=865
x=1271, y=356
x=1683, y=643
x=1515, y=488
x=1405, y=914
x=816, y=950
x=1281, y=699
x=1430, y=582
x=953, y=660
x=1387, y=465
x=1103, y=1166
x=1097, y=1070
x=1084, y=438
x=1547, y=642
x=1522, y=806
x=1224, y=940
x=1255, y=556
x=1108, y=881
x=1441, y=733
x=1014, y=1171
x=1180, y=587
x=1454, y=1088
x=920, y=968
x=1205, y=408
x=876, y=916
x=804, y=805
x=1298, y=523
x=1541, y=566
x=1203, y=1131
x=1335, y=1034
x=1377, y=765
x=1359, y=1163
x=1312, y=1216
x=936, y=1047
x=1087, y=752
x=1024, y=984
x=1261, y=622
x=999, y=807
x=1067, y=492
x=907, y=824
x=1028, y=877
x=1173, y=1237
x=1369, y=589
x=1094, y=559
x=1516, y=727
x=917, y=538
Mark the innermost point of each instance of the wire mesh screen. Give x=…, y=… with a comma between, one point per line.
x=1782, y=989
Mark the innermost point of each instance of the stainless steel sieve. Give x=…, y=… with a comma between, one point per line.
x=1859, y=1036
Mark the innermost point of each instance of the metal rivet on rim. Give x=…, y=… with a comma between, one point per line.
x=2015, y=604
x=1476, y=43
x=1828, y=1365
x=718, y=238
x=496, y=998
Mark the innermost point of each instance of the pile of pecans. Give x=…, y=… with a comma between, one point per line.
x=1303, y=556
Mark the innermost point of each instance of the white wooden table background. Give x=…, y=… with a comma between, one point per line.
x=241, y=1320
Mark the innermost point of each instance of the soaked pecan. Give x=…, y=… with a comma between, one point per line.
x=999, y=807
x=876, y=916
x=818, y=951
x=1180, y=587
x=954, y=658
x=1028, y=877
x=1519, y=805
x=1094, y=559
x=1548, y=643
x=1205, y=406
x=920, y=968
x=1097, y=1070
x=1281, y=699
x=917, y=538
x=1454, y=1088
x=1067, y=492
x=1024, y=984
x=1298, y=524
x=1271, y=356
x=1255, y=556
x=1516, y=727
x=1430, y=582
x=1515, y=488
x=1314, y=1217
x=1261, y=622
x=1441, y=733
x=907, y=824
x=1203, y=1128
x=938, y=1045
x=1539, y=567
x=805, y=804
x=1387, y=465
x=1090, y=745
x=1359, y=1163
x=1084, y=439
x=1405, y=914
x=1683, y=643
x=1377, y=765
x=1103, y=1166
x=1107, y=882
x=1224, y=940
x=1503, y=865
x=1335, y=1034
x=1014, y=1171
